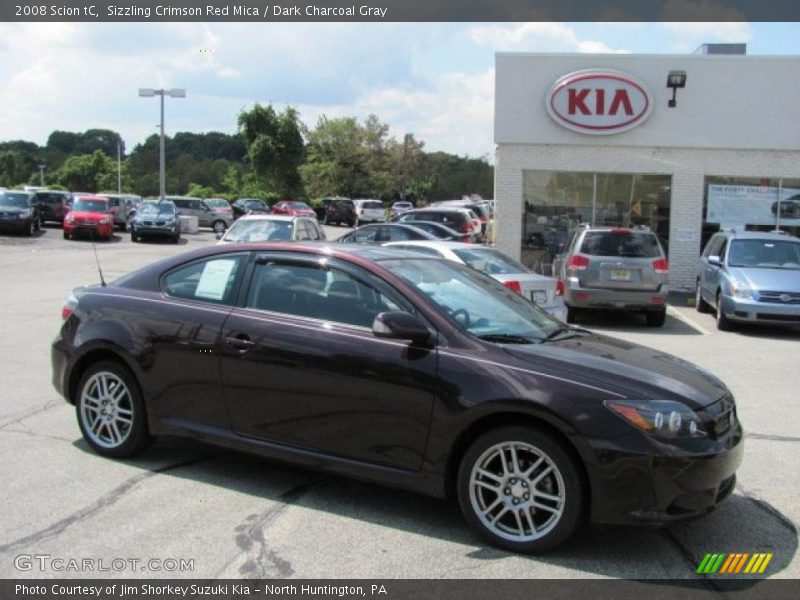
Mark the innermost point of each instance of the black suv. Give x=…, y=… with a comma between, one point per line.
x=338, y=211
x=53, y=205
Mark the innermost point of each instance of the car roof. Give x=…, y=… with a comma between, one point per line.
x=759, y=235
x=271, y=218
x=443, y=244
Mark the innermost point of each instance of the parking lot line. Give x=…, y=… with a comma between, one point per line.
x=696, y=326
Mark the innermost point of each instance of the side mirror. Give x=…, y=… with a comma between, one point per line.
x=714, y=260
x=400, y=326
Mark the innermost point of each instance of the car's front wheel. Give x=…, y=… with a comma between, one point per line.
x=723, y=322
x=110, y=410
x=521, y=489
x=701, y=305
x=218, y=226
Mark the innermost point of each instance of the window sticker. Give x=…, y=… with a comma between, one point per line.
x=214, y=279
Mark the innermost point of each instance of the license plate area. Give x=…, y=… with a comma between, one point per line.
x=539, y=296
x=620, y=274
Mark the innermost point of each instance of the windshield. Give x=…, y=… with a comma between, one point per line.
x=475, y=302
x=372, y=204
x=15, y=200
x=90, y=206
x=261, y=230
x=217, y=203
x=402, y=204
x=48, y=198
x=157, y=208
x=623, y=243
x=255, y=204
x=492, y=262
x=765, y=254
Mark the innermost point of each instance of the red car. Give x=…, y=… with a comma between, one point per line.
x=294, y=208
x=89, y=214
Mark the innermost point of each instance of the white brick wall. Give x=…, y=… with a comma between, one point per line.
x=688, y=167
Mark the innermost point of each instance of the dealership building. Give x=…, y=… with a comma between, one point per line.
x=682, y=144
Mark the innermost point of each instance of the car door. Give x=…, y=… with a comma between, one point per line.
x=301, y=366
x=181, y=326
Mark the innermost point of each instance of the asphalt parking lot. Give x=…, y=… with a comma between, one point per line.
x=237, y=516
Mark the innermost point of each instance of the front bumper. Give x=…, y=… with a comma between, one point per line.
x=99, y=229
x=614, y=299
x=663, y=485
x=15, y=224
x=165, y=230
x=752, y=311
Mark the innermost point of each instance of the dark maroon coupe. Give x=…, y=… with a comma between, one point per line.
x=405, y=370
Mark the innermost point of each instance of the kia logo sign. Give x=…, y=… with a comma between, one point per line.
x=599, y=102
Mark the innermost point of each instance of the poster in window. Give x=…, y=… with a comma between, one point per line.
x=751, y=204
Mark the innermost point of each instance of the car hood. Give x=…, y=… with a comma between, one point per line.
x=775, y=280
x=635, y=371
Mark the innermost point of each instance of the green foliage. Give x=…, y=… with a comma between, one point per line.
x=88, y=172
x=200, y=191
x=275, y=147
x=16, y=167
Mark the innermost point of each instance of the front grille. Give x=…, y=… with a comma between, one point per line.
x=771, y=317
x=779, y=297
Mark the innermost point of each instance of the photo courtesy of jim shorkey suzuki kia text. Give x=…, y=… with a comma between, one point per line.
x=127, y=590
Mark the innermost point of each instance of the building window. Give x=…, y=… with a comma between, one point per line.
x=750, y=204
x=557, y=201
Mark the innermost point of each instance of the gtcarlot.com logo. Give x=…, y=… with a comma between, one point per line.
x=734, y=563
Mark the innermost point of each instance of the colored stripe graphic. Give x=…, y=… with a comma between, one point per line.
x=724, y=563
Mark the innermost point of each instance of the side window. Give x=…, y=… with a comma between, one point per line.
x=394, y=234
x=365, y=234
x=311, y=292
x=300, y=231
x=180, y=203
x=197, y=205
x=714, y=245
x=313, y=232
x=211, y=280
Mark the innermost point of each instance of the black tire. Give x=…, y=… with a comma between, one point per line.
x=656, y=318
x=66, y=235
x=571, y=312
x=123, y=227
x=134, y=237
x=176, y=238
x=31, y=229
x=218, y=226
x=38, y=225
x=700, y=305
x=134, y=437
x=565, y=481
x=723, y=322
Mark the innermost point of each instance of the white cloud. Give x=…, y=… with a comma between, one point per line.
x=535, y=37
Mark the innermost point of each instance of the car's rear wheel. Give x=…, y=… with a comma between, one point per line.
x=656, y=318
x=701, y=305
x=723, y=322
x=218, y=226
x=520, y=489
x=110, y=410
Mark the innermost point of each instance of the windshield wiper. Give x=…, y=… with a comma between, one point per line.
x=506, y=338
x=564, y=329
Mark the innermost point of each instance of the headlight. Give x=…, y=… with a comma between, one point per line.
x=169, y=221
x=69, y=218
x=660, y=418
x=105, y=220
x=742, y=291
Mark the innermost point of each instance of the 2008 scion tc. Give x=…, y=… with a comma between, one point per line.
x=406, y=370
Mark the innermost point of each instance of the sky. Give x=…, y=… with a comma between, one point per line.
x=435, y=80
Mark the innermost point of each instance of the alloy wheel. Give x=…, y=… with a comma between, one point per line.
x=106, y=409
x=517, y=491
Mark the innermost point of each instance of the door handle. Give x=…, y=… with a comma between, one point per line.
x=240, y=341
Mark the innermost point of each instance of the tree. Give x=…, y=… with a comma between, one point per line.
x=88, y=172
x=275, y=147
x=16, y=167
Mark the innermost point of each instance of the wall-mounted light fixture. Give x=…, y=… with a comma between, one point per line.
x=675, y=80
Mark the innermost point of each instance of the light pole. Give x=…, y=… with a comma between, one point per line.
x=174, y=93
x=41, y=175
x=119, y=164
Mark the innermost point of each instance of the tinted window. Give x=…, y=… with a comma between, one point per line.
x=50, y=198
x=210, y=280
x=90, y=206
x=394, y=234
x=372, y=204
x=181, y=203
x=364, y=234
x=632, y=245
x=16, y=200
x=310, y=292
